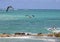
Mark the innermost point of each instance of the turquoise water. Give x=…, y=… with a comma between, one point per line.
x=28, y=20
x=23, y=21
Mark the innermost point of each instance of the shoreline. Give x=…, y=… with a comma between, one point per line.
x=52, y=39
x=30, y=35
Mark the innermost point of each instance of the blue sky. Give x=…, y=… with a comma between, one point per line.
x=31, y=4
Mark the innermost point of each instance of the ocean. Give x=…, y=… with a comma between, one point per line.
x=29, y=20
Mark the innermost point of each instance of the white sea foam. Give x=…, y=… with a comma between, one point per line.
x=54, y=30
x=33, y=38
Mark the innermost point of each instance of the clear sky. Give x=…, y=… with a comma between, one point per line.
x=31, y=4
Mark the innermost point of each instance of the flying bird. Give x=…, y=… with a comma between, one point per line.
x=9, y=8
